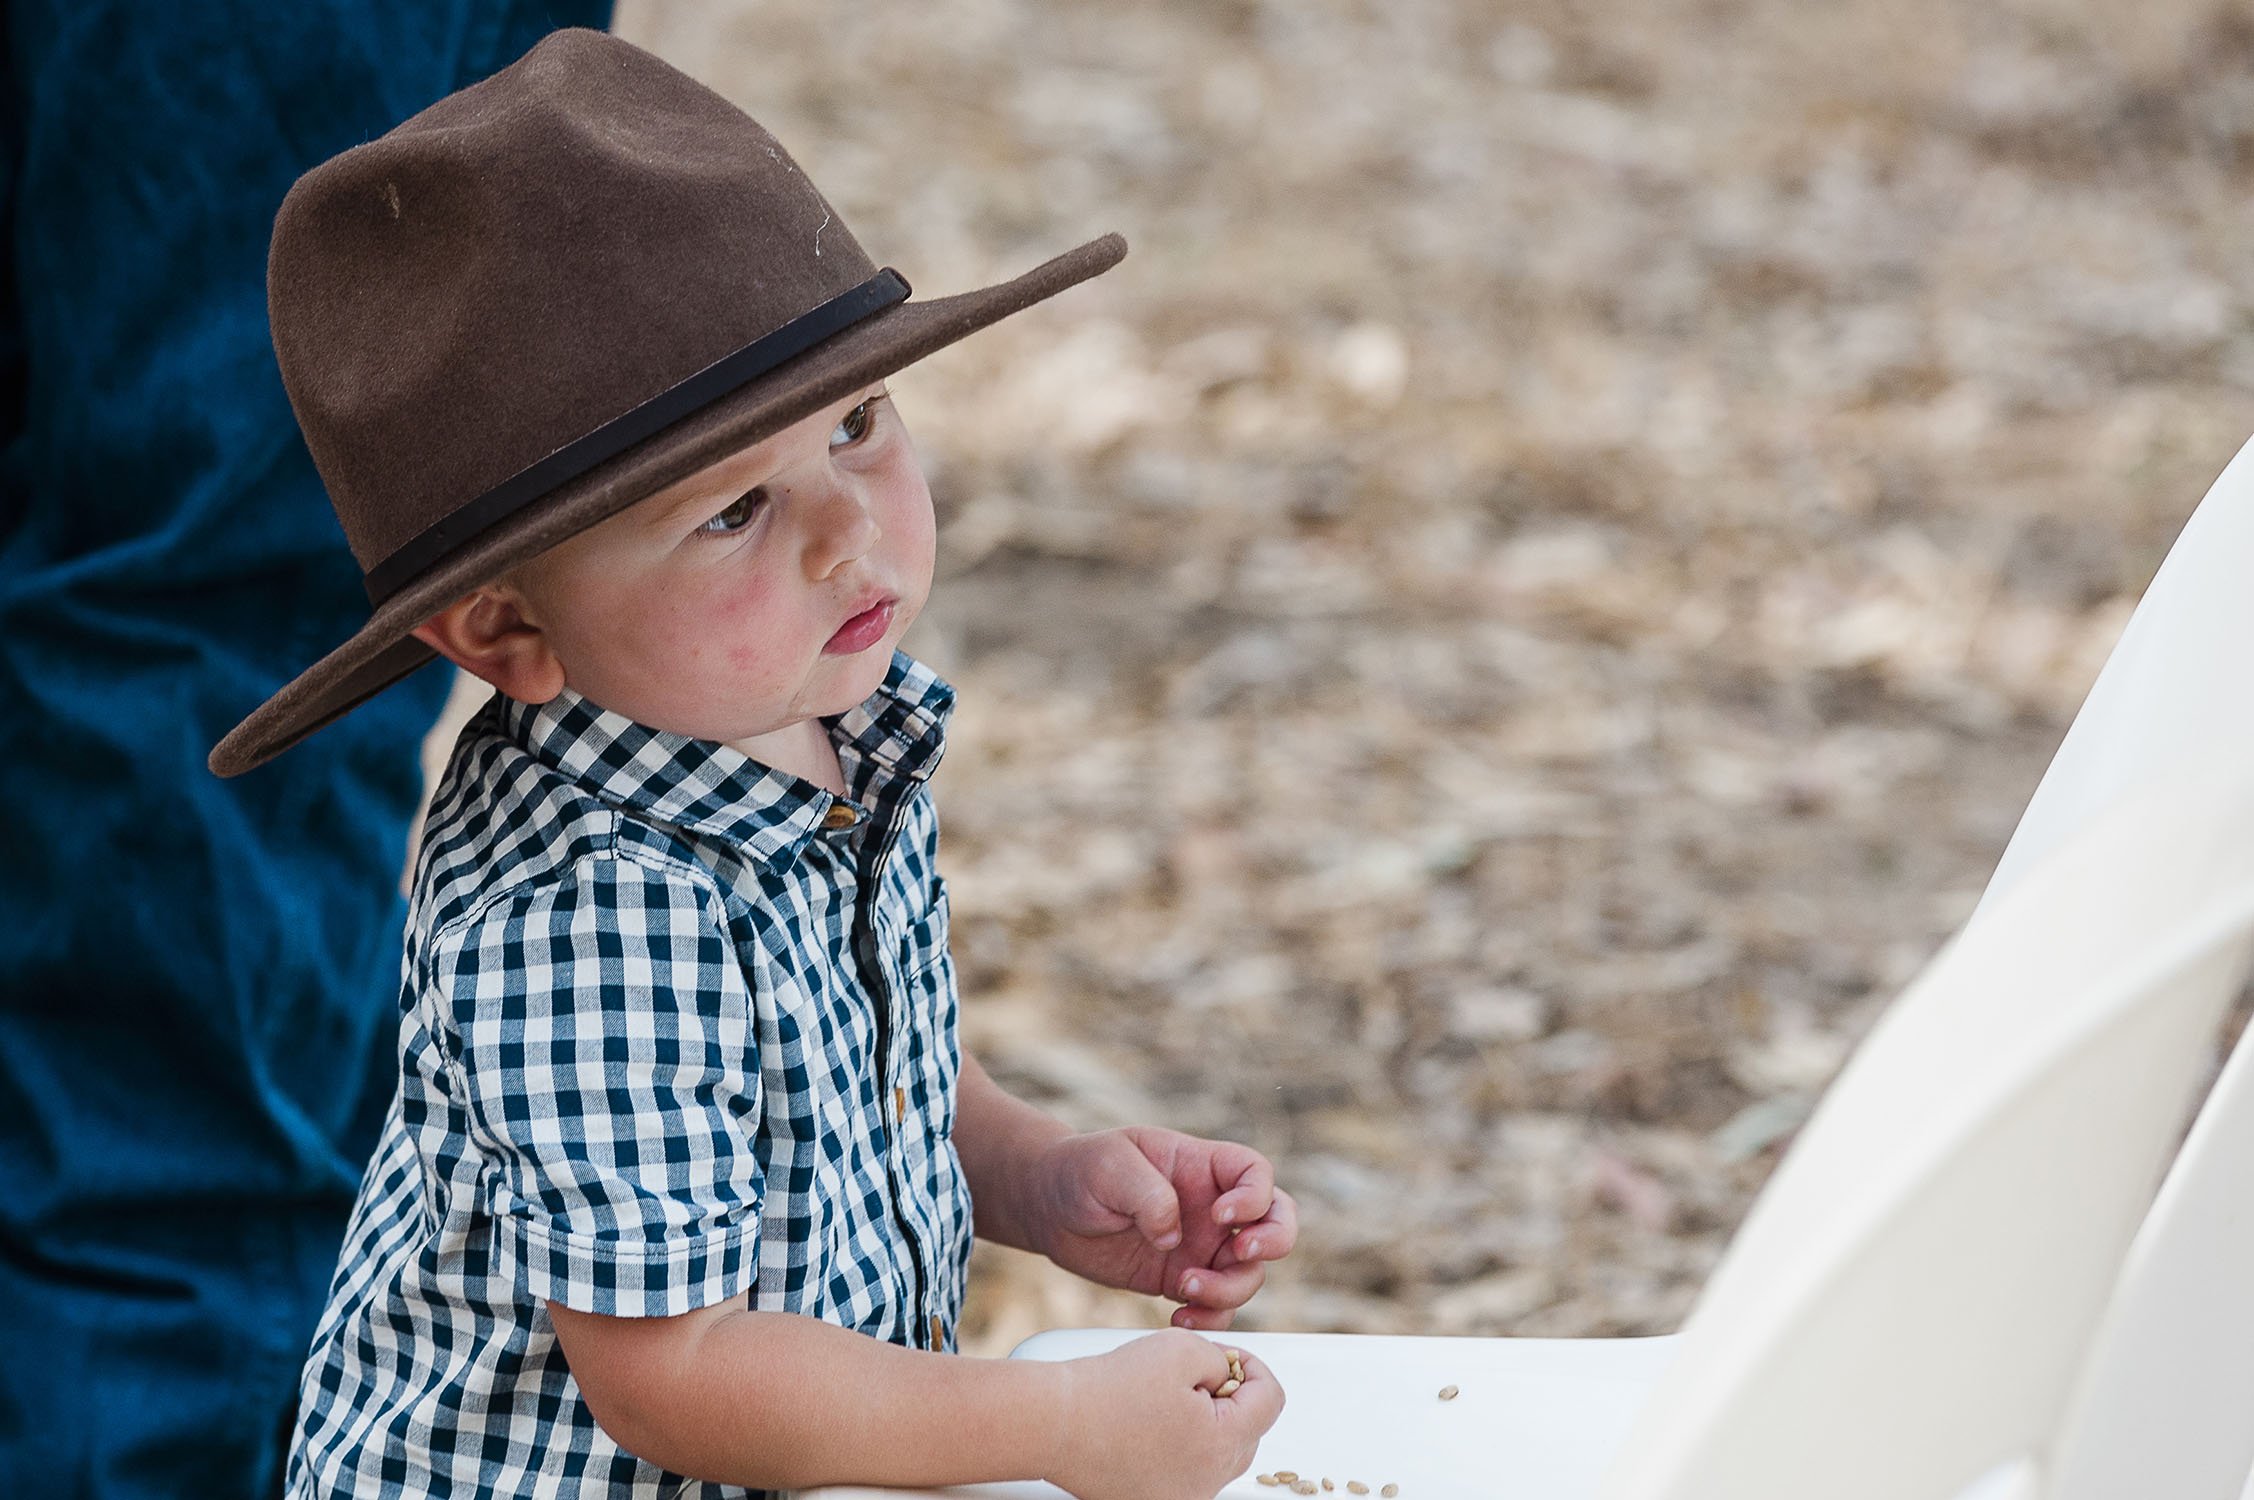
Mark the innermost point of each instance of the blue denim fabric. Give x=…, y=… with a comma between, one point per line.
x=198, y=978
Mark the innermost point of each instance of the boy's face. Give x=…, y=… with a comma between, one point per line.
x=718, y=607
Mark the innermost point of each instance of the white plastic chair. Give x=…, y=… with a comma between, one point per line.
x=2165, y=1399
x=2166, y=1405
x=1908, y=1304
x=2176, y=681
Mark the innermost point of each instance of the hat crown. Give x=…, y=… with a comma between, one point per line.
x=522, y=262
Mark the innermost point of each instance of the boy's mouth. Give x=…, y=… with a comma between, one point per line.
x=863, y=630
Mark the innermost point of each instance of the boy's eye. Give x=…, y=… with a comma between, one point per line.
x=850, y=429
x=738, y=515
x=855, y=424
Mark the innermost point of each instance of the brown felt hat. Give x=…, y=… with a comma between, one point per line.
x=545, y=298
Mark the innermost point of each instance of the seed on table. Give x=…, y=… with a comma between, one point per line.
x=1356, y=1487
x=1267, y=1478
x=1390, y=1491
x=1328, y=1485
x=1304, y=1487
x=1286, y=1476
x=1447, y=1393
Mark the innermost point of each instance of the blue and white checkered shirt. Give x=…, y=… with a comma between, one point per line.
x=677, y=1028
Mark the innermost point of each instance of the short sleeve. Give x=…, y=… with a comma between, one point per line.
x=608, y=1056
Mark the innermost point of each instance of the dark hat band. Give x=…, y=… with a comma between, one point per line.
x=614, y=437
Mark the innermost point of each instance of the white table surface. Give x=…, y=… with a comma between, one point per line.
x=1536, y=1419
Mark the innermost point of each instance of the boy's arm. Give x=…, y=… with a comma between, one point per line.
x=778, y=1401
x=998, y=1136
x=775, y=1400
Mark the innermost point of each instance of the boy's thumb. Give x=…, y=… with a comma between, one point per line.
x=1157, y=1211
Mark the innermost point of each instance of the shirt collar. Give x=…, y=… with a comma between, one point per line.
x=887, y=744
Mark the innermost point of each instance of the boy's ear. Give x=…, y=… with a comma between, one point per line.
x=487, y=635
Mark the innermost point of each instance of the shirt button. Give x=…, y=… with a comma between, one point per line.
x=840, y=815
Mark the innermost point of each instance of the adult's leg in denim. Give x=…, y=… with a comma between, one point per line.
x=198, y=978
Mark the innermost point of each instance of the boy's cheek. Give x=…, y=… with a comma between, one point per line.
x=747, y=660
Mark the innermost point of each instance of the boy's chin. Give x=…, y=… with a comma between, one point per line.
x=864, y=669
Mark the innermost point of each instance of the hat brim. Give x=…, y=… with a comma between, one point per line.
x=382, y=651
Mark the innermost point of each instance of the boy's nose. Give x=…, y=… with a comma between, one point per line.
x=841, y=528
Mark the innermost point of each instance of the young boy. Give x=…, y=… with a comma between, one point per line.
x=677, y=1193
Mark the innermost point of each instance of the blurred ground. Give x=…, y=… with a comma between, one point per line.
x=1531, y=601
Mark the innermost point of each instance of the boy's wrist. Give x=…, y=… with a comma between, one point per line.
x=1055, y=1403
x=1033, y=1223
x=1003, y=1143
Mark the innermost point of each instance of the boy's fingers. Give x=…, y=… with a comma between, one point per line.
x=1230, y=1286
x=1211, y=1365
x=1272, y=1240
x=1249, y=1182
x=1260, y=1400
x=1146, y=1195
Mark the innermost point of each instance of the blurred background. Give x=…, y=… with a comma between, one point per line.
x=1530, y=603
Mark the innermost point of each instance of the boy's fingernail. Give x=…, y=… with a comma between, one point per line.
x=1225, y=1213
x=1189, y=1286
x=1170, y=1239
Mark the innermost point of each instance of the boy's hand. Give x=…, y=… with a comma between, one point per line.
x=1166, y=1214
x=1146, y=1424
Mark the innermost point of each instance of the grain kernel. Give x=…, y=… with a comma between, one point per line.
x=1390, y=1491
x=1304, y=1487
x=1226, y=1388
x=1328, y=1485
x=1447, y=1393
x=1287, y=1475
x=1356, y=1487
x=1269, y=1479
